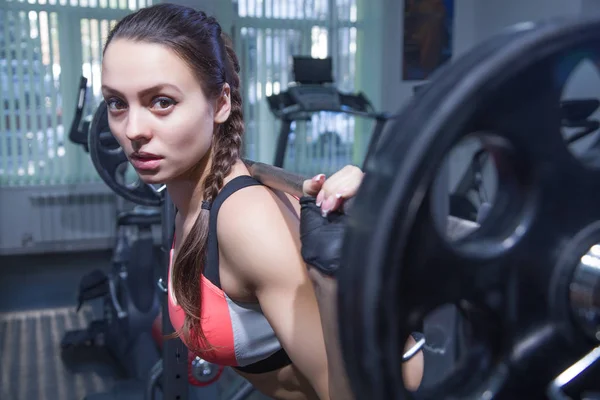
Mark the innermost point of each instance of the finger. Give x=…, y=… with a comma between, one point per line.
x=320, y=198
x=332, y=203
x=311, y=187
x=344, y=185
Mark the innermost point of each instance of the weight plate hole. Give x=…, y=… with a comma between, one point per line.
x=106, y=139
x=486, y=182
x=127, y=176
x=580, y=107
x=448, y=353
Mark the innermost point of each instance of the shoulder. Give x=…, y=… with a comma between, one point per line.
x=257, y=234
x=254, y=197
x=254, y=208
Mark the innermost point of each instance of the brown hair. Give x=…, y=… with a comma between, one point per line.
x=199, y=41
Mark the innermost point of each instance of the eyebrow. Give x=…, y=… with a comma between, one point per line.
x=145, y=92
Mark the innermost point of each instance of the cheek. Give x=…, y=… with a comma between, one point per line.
x=117, y=131
x=190, y=135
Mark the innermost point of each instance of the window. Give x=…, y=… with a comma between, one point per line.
x=45, y=46
x=268, y=34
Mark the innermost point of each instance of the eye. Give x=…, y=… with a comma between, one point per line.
x=115, y=104
x=163, y=103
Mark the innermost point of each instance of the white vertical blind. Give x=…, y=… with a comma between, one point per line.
x=45, y=46
x=269, y=33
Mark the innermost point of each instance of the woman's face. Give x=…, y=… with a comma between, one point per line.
x=157, y=110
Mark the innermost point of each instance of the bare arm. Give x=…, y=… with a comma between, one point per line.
x=330, y=195
x=326, y=291
x=259, y=240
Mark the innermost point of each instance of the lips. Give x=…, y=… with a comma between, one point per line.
x=145, y=161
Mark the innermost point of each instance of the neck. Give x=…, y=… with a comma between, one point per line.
x=187, y=191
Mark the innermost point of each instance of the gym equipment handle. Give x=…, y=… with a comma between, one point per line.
x=555, y=389
x=161, y=285
x=280, y=179
x=410, y=353
x=115, y=301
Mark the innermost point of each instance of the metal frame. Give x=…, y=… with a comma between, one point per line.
x=174, y=353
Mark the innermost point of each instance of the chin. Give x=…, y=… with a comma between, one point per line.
x=152, y=177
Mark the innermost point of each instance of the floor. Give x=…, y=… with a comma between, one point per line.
x=45, y=281
x=37, y=306
x=38, y=299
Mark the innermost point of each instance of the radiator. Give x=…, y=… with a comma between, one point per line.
x=73, y=216
x=57, y=219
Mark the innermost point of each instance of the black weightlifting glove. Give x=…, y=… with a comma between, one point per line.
x=321, y=237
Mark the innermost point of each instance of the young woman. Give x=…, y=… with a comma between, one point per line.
x=239, y=291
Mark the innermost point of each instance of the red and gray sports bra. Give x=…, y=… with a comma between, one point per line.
x=239, y=334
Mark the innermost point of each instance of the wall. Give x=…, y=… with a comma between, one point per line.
x=58, y=218
x=475, y=21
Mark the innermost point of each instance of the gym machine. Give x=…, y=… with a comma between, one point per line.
x=128, y=291
x=311, y=92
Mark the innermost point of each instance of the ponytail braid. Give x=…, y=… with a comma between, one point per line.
x=226, y=151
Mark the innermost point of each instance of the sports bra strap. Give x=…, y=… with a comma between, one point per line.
x=211, y=269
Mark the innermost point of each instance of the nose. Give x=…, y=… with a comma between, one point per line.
x=137, y=128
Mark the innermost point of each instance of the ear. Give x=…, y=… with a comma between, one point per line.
x=223, y=105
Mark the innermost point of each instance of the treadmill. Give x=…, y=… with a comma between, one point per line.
x=312, y=92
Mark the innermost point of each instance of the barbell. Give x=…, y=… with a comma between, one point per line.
x=527, y=279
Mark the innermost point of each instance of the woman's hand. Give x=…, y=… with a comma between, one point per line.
x=330, y=193
x=321, y=228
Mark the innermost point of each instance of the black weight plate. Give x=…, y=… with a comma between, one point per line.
x=398, y=267
x=108, y=159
